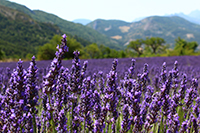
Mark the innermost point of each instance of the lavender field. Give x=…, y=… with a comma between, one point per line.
x=141, y=95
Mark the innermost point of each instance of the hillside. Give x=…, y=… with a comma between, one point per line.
x=66, y=26
x=168, y=28
x=21, y=35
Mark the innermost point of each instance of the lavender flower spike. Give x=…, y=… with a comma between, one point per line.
x=50, y=78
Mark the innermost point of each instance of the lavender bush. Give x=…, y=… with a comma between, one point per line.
x=122, y=98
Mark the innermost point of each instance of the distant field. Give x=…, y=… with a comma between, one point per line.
x=186, y=64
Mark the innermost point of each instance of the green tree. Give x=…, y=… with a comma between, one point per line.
x=47, y=51
x=73, y=45
x=136, y=46
x=105, y=51
x=182, y=47
x=114, y=53
x=93, y=51
x=122, y=54
x=154, y=43
x=2, y=54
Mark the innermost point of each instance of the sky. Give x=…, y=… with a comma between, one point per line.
x=126, y=10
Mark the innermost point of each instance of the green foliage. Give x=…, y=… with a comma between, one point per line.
x=81, y=40
x=105, y=51
x=20, y=34
x=154, y=43
x=73, y=46
x=47, y=51
x=122, y=54
x=154, y=47
x=182, y=47
x=137, y=46
x=114, y=53
x=2, y=54
x=93, y=51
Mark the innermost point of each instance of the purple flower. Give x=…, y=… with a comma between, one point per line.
x=154, y=107
x=196, y=107
x=126, y=122
x=163, y=74
x=183, y=87
x=50, y=83
x=50, y=79
x=29, y=124
x=195, y=124
x=191, y=94
x=173, y=118
x=131, y=69
x=64, y=36
x=184, y=126
x=86, y=103
x=76, y=79
x=62, y=122
x=32, y=87
x=175, y=75
x=101, y=82
x=97, y=112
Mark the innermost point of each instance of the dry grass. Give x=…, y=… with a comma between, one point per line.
x=124, y=28
x=117, y=37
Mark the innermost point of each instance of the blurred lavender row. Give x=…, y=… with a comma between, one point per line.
x=187, y=64
x=141, y=95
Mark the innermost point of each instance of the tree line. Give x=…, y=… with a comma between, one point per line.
x=156, y=46
x=91, y=51
x=149, y=47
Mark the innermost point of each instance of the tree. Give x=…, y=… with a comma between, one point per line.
x=73, y=45
x=182, y=47
x=154, y=43
x=93, y=51
x=136, y=46
x=2, y=54
x=47, y=51
x=105, y=51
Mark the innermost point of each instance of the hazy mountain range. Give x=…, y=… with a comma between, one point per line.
x=193, y=17
x=168, y=27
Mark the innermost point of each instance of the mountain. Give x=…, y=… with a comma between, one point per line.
x=66, y=27
x=195, y=14
x=82, y=21
x=192, y=18
x=20, y=35
x=168, y=28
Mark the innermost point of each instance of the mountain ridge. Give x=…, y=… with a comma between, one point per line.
x=165, y=27
x=21, y=35
x=66, y=26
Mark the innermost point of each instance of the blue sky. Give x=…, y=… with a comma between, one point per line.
x=126, y=10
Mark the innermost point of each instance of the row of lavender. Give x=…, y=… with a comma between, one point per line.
x=72, y=100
